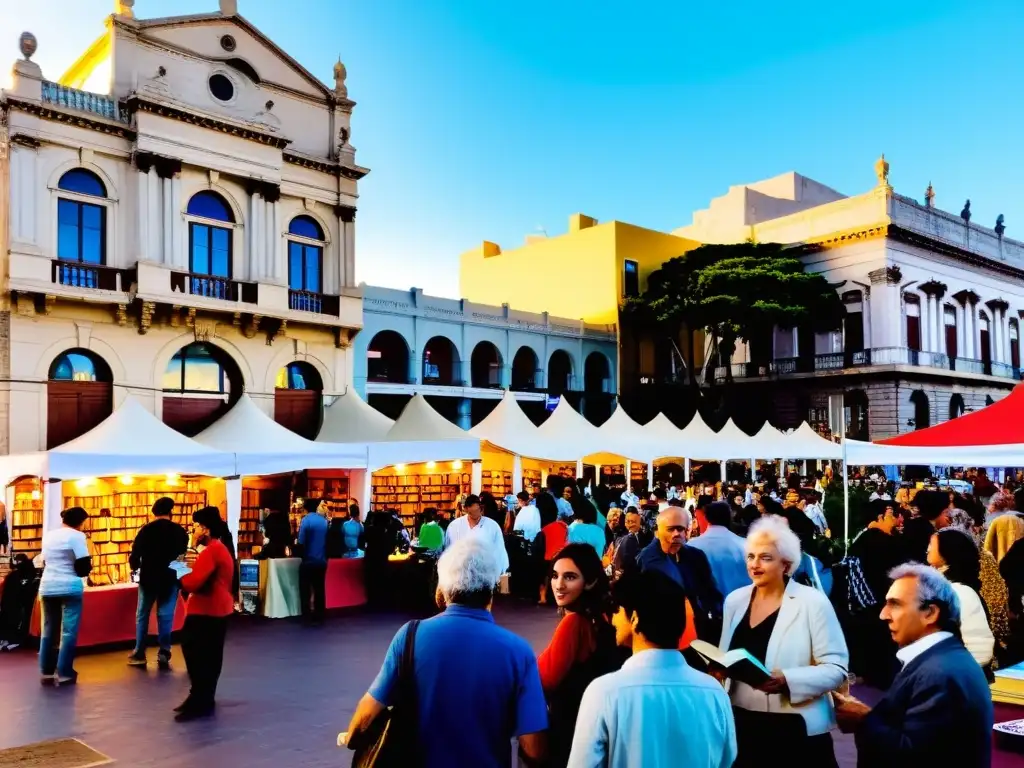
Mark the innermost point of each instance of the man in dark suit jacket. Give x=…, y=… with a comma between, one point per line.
x=688, y=567
x=938, y=711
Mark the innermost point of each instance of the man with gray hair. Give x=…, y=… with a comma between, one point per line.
x=938, y=711
x=462, y=662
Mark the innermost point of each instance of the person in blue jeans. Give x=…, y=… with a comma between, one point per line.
x=157, y=544
x=66, y=563
x=312, y=541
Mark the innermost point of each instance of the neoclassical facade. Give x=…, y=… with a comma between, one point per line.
x=178, y=217
x=462, y=355
x=934, y=306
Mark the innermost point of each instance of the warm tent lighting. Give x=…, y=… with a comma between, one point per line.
x=399, y=468
x=431, y=465
x=36, y=495
x=173, y=478
x=86, y=482
x=126, y=480
x=456, y=465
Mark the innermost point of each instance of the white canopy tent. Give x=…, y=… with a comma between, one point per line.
x=131, y=440
x=804, y=443
x=350, y=419
x=696, y=439
x=858, y=453
x=621, y=436
x=567, y=434
x=508, y=428
x=767, y=443
x=422, y=434
x=264, y=447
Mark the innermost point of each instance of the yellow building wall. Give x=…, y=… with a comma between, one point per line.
x=576, y=275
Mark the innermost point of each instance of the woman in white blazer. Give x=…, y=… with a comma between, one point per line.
x=794, y=632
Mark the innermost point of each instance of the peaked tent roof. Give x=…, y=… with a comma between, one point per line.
x=697, y=440
x=804, y=443
x=621, y=436
x=767, y=443
x=131, y=440
x=264, y=447
x=350, y=419
x=508, y=428
x=568, y=434
x=422, y=434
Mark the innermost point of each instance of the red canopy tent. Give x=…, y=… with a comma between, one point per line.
x=1001, y=423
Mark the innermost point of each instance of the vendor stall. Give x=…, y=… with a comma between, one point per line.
x=279, y=586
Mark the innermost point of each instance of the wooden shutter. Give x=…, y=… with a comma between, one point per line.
x=299, y=410
x=191, y=415
x=75, y=407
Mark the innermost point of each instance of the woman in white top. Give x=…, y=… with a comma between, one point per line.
x=66, y=562
x=954, y=554
x=793, y=631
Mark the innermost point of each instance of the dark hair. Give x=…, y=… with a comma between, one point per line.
x=963, y=561
x=675, y=503
x=595, y=603
x=718, y=513
x=583, y=510
x=659, y=604
x=931, y=504
x=74, y=516
x=659, y=493
x=162, y=507
x=631, y=510
x=547, y=507
x=749, y=514
x=209, y=517
x=703, y=501
x=353, y=510
x=310, y=504
x=430, y=514
x=771, y=506
x=523, y=496
x=471, y=501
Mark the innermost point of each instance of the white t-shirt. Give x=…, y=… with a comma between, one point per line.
x=61, y=548
x=528, y=521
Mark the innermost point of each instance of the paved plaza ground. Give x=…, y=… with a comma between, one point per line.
x=285, y=694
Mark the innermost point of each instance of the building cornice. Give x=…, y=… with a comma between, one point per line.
x=334, y=168
x=74, y=118
x=136, y=103
x=919, y=240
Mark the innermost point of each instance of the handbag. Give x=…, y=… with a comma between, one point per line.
x=390, y=740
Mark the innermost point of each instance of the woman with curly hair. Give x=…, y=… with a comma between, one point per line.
x=583, y=646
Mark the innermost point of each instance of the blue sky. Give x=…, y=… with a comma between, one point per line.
x=484, y=120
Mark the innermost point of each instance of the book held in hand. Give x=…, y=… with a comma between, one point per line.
x=179, y=568
x=738, y=664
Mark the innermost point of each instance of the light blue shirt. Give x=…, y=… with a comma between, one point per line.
x=588, y=533
x=726, y=553
x=655, y=711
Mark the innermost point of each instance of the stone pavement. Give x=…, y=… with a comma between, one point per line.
x=285, y=694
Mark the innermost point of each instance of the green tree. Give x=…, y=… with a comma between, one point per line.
x=733, y=292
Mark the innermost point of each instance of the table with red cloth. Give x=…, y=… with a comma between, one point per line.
x=108, y=615
x=346, y=586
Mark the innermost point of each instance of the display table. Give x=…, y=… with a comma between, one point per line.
x=279, y=586
x=108, y=615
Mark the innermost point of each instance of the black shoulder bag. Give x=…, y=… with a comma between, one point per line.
x=390, y=740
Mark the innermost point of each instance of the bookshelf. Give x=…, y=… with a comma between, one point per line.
x=26, y=523
x=111, y=535
x=531, y=478
x=638, y=477
x=411, y=494
x=333, y=490
x=565, y=470
x=497, y=482
x=250, y=534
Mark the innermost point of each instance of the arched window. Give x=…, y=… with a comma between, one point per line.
x=81, y=225
x=441, y=364
x=485, y=365
x=298, y=399
x=200, y=383
x=387, y=358
x=79, y=395
x=209, y=245
x=956, y=406
x=305, y=264
x=524, y=369
x=559, y=372
x=922, y=410
x=856, y=412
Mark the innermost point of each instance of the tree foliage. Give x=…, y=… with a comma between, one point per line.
x=733, y=292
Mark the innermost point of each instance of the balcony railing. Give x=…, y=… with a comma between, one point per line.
x=83, y=101
x=308, y=301
x=92, y=276
x=214, y=287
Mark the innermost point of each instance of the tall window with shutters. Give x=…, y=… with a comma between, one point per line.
x=913, y=323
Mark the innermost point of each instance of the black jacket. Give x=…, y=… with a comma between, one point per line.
x=937, y=713
x=157, y=544
x=690, y=569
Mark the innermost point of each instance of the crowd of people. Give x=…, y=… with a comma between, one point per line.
x=634, y=673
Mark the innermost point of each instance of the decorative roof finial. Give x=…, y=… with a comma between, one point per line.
x=882, y=171
x=340, y=73
x=123, y=8
x=28, y=44
x=229, y=7
x=1000, y=225
x=965, y=214
x=929, y=196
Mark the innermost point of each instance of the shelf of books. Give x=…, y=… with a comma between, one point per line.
x=249, y=533
x=333, y=490
x=116, y=517
x=531, y=479
x=497, y=482
x=638, y=477
x=26, y=528
x=410, y=494
x=564, y=470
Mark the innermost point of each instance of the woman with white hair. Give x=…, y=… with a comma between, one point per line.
x=793, y=631
x=458, y=662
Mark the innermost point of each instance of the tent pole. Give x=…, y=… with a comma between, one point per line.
x=686, y=470
x=846, y=502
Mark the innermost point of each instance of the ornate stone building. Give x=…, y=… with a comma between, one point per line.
x=177, y=218
x=934, y=304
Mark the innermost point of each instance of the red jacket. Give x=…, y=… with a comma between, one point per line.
x=209, y=584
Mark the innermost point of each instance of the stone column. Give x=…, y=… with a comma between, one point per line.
x=940, y=327
x=254, y=234
x=928, y=324
x=971, y=331
x=961, y=330
x=350, y=251
x=275, y=270
x=996, y=335
x=142, y=220
x=180, y=257
x=154, y=246
x=885, y=307
x=168, y=222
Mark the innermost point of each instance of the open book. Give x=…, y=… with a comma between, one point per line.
x=179, y=568
x=738, y=664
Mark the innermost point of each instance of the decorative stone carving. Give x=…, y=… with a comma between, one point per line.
x=121, y=312
x=882, y=171
x=890, y=275
x=204, y=330
x=190, y=318
x=340, y=74
x=146, y=310
x=345, y=212
x=934, y=288
x=1000, y=226
x=277, y=328
x=28, y=45
x=175, y=316
x=967, y=296
x=965, y=214
x=997, y=305
x=929, y=196
x=342, y=338
x=252, y=326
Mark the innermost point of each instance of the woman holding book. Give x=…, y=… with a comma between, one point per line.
x=793, y=632
x=583, y=646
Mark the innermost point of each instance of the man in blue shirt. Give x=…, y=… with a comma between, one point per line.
x=312, y=540
x=725, y=551
x=657, y=710
x=464, y=665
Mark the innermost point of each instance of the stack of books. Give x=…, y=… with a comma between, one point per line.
x=1009, y=685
